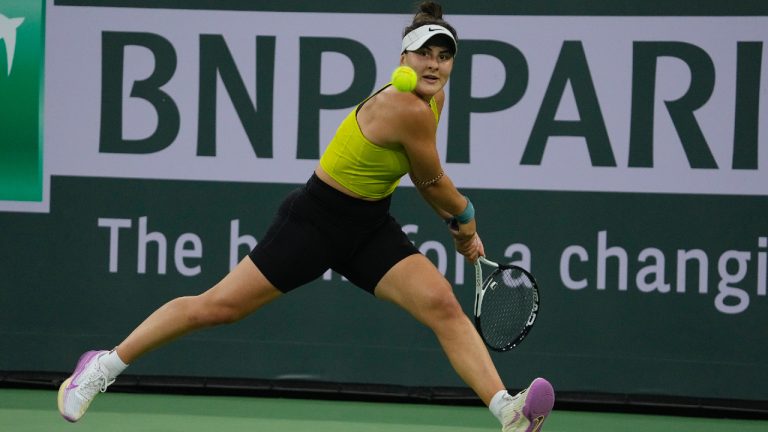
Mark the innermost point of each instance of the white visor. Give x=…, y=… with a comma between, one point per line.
x=418, y=36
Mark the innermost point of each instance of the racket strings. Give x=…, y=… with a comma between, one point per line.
x=506, y=307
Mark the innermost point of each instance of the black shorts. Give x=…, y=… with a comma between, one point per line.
x=319, y=228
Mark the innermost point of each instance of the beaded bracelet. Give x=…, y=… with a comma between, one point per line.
x=419, y=183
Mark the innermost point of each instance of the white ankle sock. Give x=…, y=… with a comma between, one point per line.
x=497, y=402
x=112, y=363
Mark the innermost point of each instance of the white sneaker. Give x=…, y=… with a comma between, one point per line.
x=526, y=411
x=78, y=391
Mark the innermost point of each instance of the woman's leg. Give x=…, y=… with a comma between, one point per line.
x=418, y=287
x=241, y=292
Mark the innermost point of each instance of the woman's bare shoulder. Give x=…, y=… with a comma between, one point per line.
x=396, y=117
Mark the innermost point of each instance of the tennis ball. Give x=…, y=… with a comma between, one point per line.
x=404, y=79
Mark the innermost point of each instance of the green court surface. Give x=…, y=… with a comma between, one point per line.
x=35, y=411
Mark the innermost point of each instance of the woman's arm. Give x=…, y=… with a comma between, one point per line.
x=465, y=237
x=418, y=136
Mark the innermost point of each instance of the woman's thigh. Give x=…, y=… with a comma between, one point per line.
x=243, y=290
x=417, y=286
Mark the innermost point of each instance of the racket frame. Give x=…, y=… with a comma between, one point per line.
x=480, y=288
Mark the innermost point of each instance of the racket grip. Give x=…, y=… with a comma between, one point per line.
x=487, y=262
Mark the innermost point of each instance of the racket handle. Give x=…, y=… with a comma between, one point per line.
x=487, y=262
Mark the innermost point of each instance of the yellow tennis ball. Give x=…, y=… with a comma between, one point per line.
x=404, y=79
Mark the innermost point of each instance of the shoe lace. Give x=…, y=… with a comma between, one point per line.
x=94, y=381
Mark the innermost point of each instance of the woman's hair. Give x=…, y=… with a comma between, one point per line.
x=429, y=12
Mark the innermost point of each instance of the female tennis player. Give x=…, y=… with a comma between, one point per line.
x=340, y=220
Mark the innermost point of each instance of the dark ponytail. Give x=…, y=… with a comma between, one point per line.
x=429, y=12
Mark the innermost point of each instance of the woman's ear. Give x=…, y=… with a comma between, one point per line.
x=402, y=59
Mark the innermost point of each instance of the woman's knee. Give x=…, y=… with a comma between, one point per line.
x=440, y=305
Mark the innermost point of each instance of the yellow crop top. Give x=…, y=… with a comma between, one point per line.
x=361, y=166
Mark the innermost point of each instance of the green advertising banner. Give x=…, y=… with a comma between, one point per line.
x=22, y=33
x=655, y=294
x=619, y=153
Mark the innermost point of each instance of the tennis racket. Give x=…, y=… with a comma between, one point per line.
x=506, y=304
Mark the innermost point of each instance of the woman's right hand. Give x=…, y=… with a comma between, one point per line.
x=466, y=240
